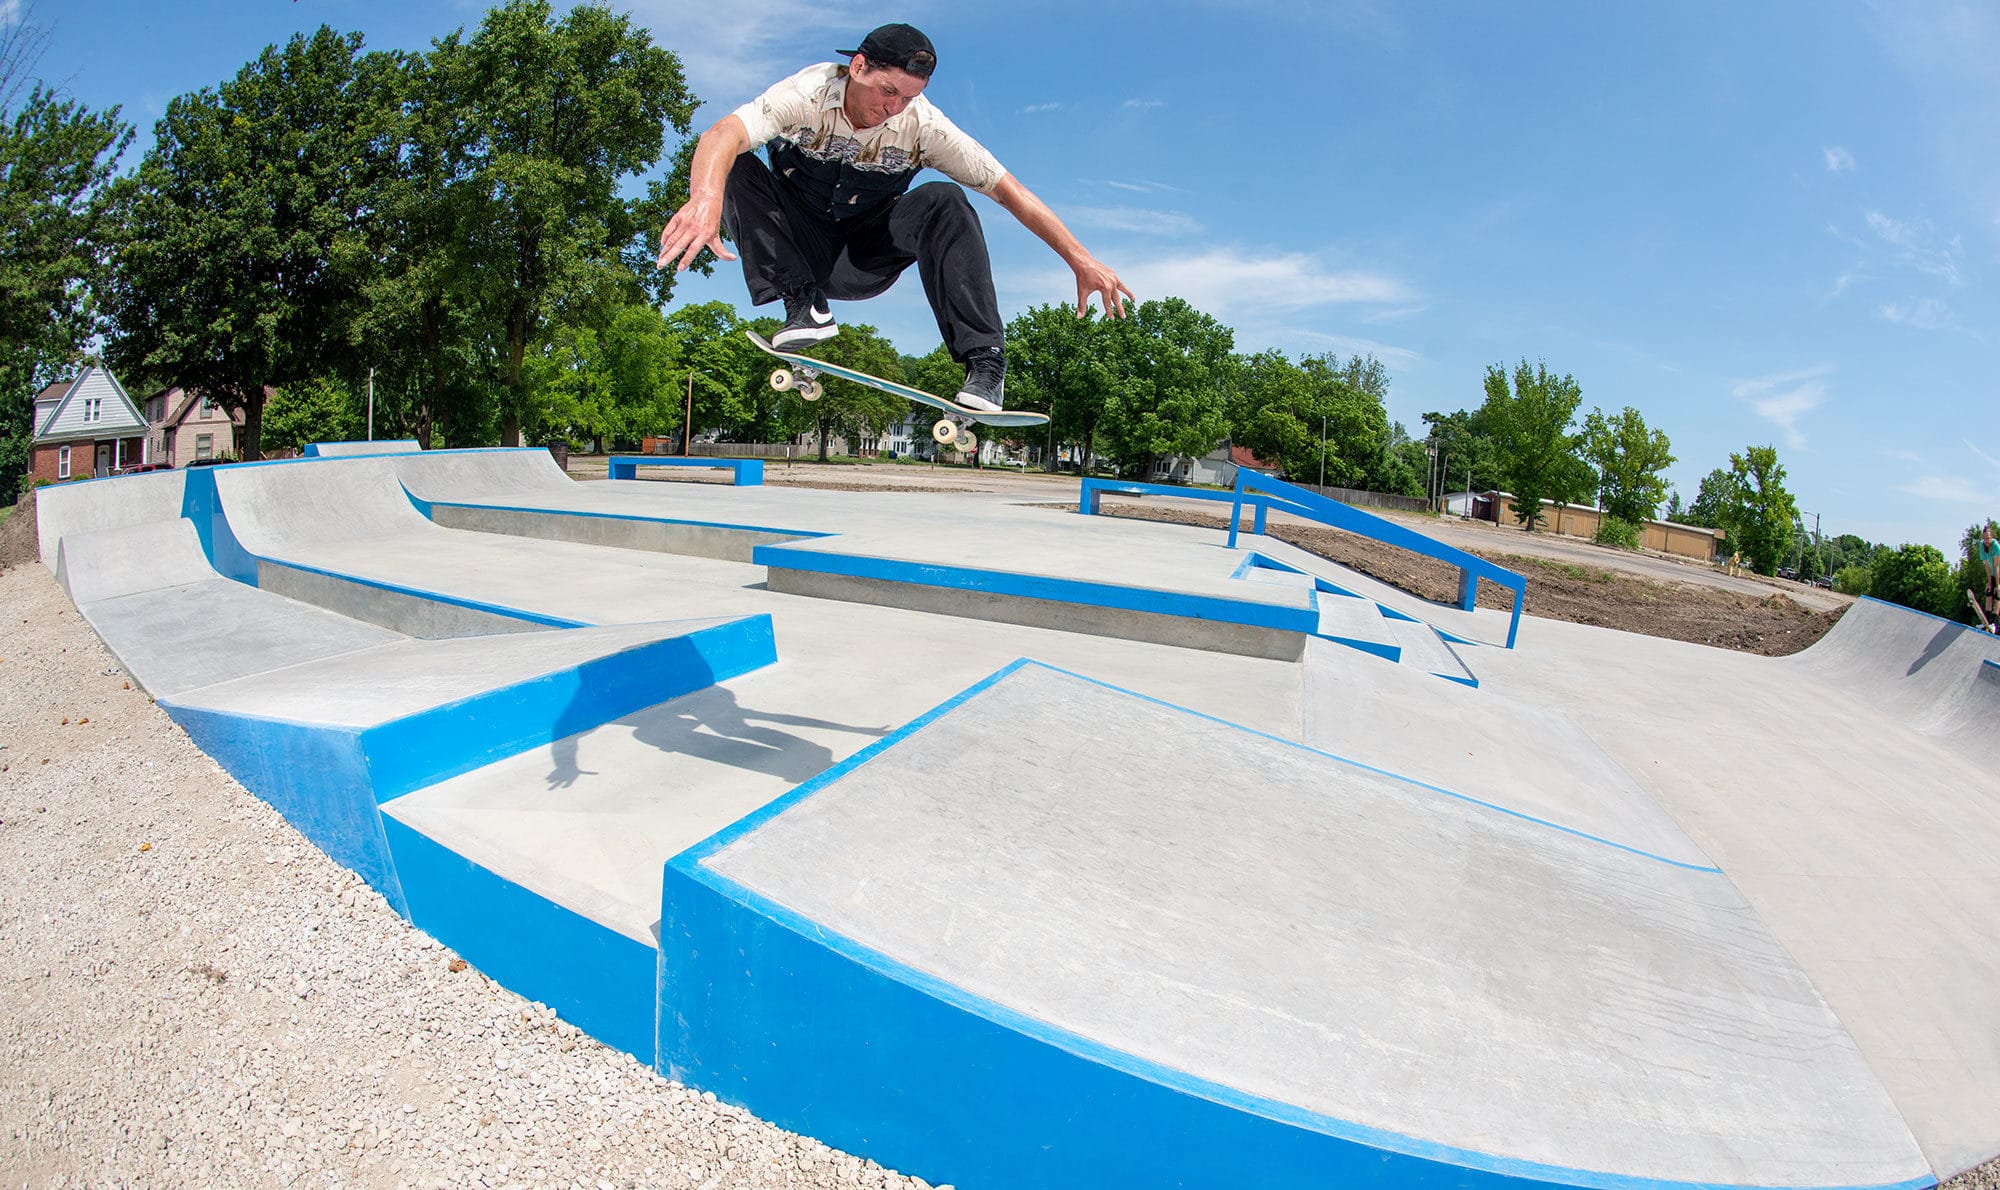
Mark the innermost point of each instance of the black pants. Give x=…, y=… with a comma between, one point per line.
x=785, y=246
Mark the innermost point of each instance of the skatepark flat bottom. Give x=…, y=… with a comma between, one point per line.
x=1075, y=909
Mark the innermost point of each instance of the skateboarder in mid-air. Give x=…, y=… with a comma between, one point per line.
x=834, y=216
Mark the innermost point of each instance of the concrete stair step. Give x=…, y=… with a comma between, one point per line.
x=1358, y=624
x=1422, y=646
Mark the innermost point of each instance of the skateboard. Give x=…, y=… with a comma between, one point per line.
x=1978, y=610
x=802, y=373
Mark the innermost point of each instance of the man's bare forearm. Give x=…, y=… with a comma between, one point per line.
x=1092, y=275
x=696, y=225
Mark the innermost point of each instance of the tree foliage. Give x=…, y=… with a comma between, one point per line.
x=1917, y=576
x=1630, y=460
x=245, y=241
x=1761, y=517
x=56, y=163
x=1170, y=366
x=1529, y=422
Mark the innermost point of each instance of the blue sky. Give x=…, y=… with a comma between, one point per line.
x=1755, y=222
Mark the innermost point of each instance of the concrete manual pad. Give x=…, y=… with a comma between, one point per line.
x=1316, y=934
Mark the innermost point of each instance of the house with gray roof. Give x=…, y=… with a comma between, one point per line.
x=86, y=428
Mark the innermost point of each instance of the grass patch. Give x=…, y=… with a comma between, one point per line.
x=5, y=512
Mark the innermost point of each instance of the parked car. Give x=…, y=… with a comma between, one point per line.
x=136, y=468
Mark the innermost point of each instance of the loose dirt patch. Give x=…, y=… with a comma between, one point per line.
x=1772, y=626
x=18, y=543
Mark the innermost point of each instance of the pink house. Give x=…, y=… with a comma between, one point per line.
x=185, y=427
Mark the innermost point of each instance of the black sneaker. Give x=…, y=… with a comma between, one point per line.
x=985, y=381
x=808, y=319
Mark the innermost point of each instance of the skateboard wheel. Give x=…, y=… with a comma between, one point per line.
x=945, y=433
x=809, y=390
x=968, y=444
x=781, y=379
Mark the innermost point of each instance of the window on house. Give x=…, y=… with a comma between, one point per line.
x=93, y=409
x=208, y=406
x=62, y=463
x=204, y=446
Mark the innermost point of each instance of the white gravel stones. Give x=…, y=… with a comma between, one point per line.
x=192, y=995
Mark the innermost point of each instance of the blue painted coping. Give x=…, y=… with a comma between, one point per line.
x=810, y=1030
x=1028, y=586
x=748, y=472
x=327, y=779
x=379, y=446
x=594, y=977
x=1313, y=506
x=1094, y=490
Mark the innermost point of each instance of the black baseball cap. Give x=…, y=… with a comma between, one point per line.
x=901, y=46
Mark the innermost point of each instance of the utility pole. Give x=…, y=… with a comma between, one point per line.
x=371, y=404
x=687, y=426
x=1322, y=450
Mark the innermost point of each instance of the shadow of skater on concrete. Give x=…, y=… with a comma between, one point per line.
x=710, y=725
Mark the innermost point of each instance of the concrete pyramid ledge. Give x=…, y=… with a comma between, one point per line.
x=327, y=741
x=1112, y=942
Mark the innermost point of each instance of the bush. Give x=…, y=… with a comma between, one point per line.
x=1617, y=531
x=1853, y=580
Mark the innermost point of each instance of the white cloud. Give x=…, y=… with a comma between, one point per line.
x=1924, y=314
x=732, y=52
x=1948, y=489
x=1991, y=462
x=1238, y=288
x=1133, y=219
x=1918, y=246
x=1903, y=456
x=1143, y=187
x=1841, y=285
x=1142, y=105
x=1036, y=109
x=1388, y=353
x=1785, y=398
x=1838, y=159
x=1227, y=284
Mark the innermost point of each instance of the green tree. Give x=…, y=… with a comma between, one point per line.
x=1529, y=422
x=1916, y=576
x=245, y=245
x=56, y=162
x=1675, y=509
x=561, y=113
x=1171, y=365
x=321, y=410
x=1466, y=459
x=1714, y=501
x=1061, y=365
x=1762, y=516
x=1630, y=460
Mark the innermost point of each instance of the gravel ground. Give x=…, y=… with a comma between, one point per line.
x=193, y=995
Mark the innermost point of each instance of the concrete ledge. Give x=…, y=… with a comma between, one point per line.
x=1185, y=629
x=698, y=539
x=349, y=450
x=425, y=615
x=746, y=472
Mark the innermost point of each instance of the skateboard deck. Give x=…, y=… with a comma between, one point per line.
x=1978, y=610
x=803, y=376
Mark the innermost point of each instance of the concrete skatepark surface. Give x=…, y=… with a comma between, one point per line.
x=1630, y=910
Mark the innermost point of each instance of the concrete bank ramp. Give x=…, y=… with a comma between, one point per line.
x=345, y=450
x=1914, y=667
x=176, y=625
x=1057, y=934
x=88, y=505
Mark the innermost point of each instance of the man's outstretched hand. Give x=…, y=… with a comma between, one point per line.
x=1095, y=278
x=695, y=226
